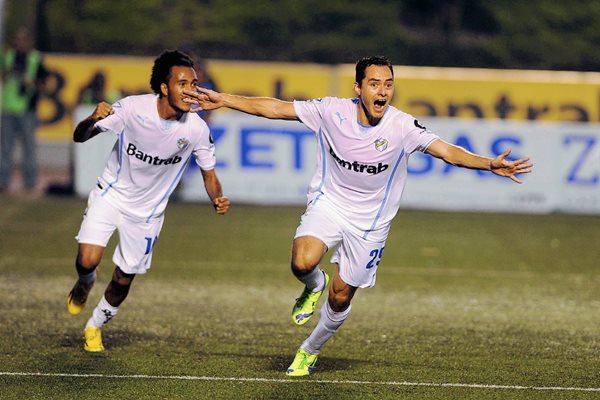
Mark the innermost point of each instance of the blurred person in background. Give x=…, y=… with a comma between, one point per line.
x=23, y=76
x=95, y=91
x=205, y=80
x=363, y=148
x=157, y=137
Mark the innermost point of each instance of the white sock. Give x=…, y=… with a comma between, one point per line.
x=314, y=280
x=103, y=313
x=329, y=322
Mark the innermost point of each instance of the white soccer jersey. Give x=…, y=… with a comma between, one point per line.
x=150, y=155
x=361, y=170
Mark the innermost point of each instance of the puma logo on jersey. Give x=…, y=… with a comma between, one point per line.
x=357, y=166
x=150, y=159
x=342, y=119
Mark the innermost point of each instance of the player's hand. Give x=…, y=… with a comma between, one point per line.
x=205, y=99
x=221, y=204
x=103, y=110
x=500, y=166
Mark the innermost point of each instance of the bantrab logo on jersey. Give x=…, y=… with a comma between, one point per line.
x=357, y=166
x=150, y=159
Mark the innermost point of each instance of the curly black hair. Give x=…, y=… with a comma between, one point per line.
x=161, y=71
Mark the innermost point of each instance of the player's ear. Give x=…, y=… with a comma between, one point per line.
x=357, y=89
x=164, y=89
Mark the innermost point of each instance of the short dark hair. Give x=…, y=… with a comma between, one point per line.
x=363, y=63
x=161, y=71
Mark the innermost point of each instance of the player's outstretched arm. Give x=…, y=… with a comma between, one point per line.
x=458, y=156
x=215, y=192
x=267, y=107
x=85, y=129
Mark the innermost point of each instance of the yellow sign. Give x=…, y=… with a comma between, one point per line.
x=492, y=94
x=421, y=91
x=69, y=74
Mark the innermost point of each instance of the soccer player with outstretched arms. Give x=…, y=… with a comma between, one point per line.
x=363, y=147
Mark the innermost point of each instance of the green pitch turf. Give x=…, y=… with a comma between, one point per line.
x=466, y=306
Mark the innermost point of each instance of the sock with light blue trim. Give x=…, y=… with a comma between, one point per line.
x=329, y=323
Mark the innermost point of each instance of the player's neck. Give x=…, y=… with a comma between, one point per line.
x=166, y=111
x=363, y=116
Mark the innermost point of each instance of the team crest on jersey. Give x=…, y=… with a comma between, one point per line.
x=182, y=142
x=381, y=144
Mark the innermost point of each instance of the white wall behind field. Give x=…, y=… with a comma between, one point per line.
x=271, y=162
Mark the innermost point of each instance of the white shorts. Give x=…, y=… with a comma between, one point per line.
x=137, y=238
x=356, y=257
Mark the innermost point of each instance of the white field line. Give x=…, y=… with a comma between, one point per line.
x=324, y=381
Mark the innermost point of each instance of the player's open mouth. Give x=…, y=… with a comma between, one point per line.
x=379, y=104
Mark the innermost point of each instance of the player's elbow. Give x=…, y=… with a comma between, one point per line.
x=83, y=133
x=282, y=110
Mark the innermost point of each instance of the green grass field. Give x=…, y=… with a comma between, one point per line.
x=466, y=306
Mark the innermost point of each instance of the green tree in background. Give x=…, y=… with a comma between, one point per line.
x=535, y=34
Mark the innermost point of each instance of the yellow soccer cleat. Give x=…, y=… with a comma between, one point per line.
x=303, y=364
x=77, y=298
x=307, y=302
x=93, y=340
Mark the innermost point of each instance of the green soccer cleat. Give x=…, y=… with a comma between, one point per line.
x=93, y=340
x=303, y=364
x=77, y=297
x=307, y=302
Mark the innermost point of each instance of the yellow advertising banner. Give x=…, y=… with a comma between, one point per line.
x=70, y=74
x=492, y=94
x=421, y=91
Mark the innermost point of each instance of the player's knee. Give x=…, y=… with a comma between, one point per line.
x=87, y=261
x=303, y=265
x=306, y=254
x=122, y=279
